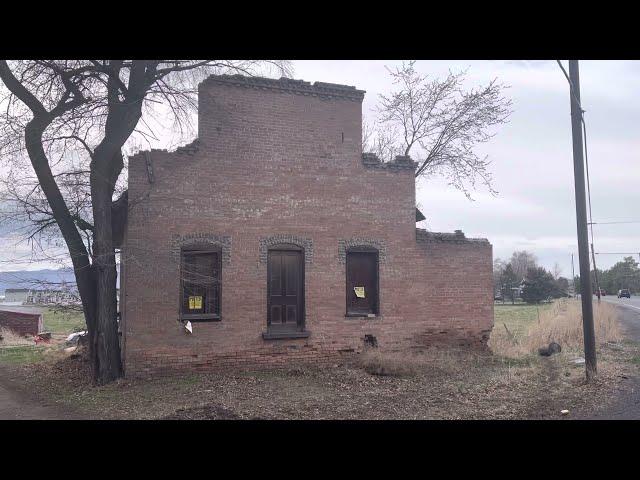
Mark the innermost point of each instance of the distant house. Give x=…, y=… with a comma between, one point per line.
x=15, y=295
x=49, y=296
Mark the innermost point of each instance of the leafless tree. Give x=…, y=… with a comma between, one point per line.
x=73, y=122
x=522, y=261
x=557, y=271
x=498, y=268
x=439, y=123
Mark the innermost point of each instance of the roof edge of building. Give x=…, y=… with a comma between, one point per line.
x=425, y=236
x=284, y=84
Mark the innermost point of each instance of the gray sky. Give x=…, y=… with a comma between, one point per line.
x=531, y=157
x=532, y=163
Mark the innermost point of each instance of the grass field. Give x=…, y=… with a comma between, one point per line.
x=59, y=322
x=63, y=321
x=21, y=355
x=518, y=318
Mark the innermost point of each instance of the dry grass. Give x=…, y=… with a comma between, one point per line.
x=562, y=324
x=10, y=338
x=432, y=361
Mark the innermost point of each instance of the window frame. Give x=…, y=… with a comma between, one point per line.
x=196, y=250
x=376, y=253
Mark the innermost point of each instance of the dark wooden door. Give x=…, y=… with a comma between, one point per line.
x=285, y=291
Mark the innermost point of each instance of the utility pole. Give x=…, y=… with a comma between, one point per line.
x=573, y=277
x=581, y=216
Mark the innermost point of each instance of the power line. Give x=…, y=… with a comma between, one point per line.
x=612, y=223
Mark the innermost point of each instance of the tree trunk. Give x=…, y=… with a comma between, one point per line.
x=107, y=339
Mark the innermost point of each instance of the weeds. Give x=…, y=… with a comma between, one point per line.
x=562, y=323
x=10, y=338
x=433, y=361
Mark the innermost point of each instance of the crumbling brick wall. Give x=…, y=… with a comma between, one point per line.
x=282, y=159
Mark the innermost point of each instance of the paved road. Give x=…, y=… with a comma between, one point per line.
x=627, y=407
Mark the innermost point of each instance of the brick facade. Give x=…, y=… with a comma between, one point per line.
x=280, y=161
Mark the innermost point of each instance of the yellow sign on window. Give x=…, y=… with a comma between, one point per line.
x=195, y=303
x=359, y=291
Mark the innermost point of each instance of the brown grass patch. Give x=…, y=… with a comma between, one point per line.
x=562, y=324
x=433, y=361
x=10, y=338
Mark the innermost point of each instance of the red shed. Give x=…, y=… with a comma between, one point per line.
x=21, y=323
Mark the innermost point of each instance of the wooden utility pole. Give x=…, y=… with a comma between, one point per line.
x=573, y=277
x=581, y=216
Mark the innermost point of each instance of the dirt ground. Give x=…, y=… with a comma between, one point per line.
x=440, y=385
x=45, y=382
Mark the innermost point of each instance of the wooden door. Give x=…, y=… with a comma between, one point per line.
x=285, y=291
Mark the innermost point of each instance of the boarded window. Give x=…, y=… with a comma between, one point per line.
x=362, y=283
x=200, y=279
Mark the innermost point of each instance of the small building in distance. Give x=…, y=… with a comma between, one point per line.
x=16, y=295
x=21, y=322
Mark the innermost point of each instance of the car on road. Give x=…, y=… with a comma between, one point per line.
x=624, y=293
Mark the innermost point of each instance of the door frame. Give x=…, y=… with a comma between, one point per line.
x=288, y=247
x=362, y=249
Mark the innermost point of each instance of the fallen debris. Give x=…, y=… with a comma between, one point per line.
x=75, y=338
x=564, y=412
x=42, y=337
x=550, y=350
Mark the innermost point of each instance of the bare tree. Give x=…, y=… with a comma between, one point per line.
x=440, y=123
x=522, y=261
x=557, y=271
x=498, y=269
x=74, y=121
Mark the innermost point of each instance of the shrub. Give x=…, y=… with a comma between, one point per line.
x=538, y=286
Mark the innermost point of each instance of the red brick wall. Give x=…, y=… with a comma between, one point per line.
x=273, y=162
x=21, y=323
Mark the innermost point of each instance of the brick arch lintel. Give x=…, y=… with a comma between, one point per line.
x=345, y=244
x=210, y=239
x=305, y=243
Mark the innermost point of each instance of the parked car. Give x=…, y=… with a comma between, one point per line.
x=603, y=292
x=624, y=293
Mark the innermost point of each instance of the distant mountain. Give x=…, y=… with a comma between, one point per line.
x=39, y=279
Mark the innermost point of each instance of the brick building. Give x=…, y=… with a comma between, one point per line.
x=279, y=241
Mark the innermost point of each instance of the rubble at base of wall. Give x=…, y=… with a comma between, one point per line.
x=289, y=355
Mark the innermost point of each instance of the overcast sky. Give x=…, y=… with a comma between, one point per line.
x=531, y=156
x=532, y=161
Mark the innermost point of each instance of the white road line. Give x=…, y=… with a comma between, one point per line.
x=623, y=305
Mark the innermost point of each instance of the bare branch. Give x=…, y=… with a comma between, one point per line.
x=440, y=123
